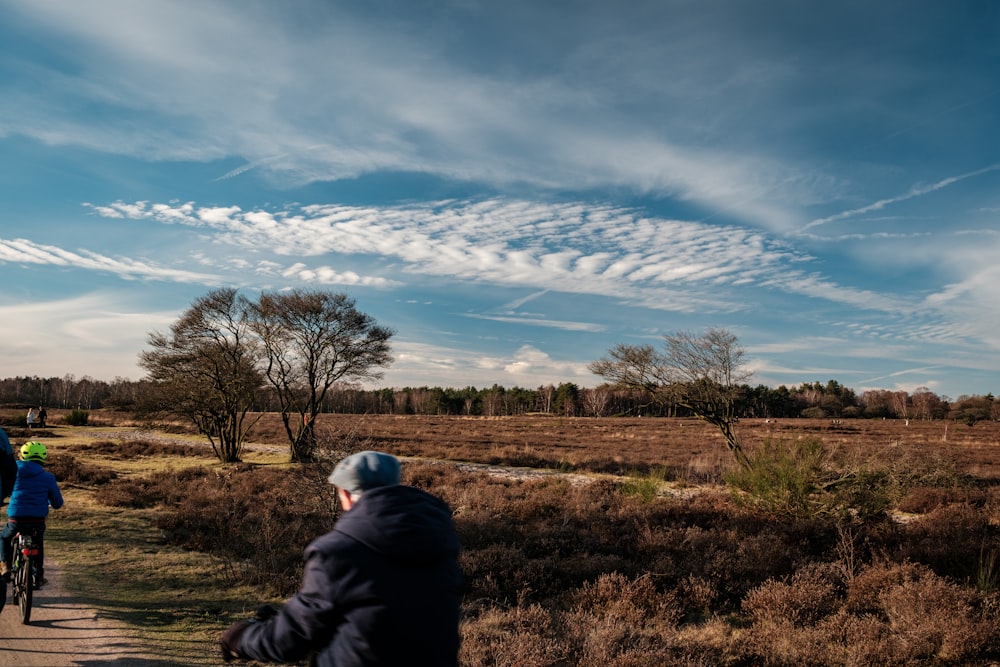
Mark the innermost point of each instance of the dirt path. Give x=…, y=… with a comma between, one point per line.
x=63, y=633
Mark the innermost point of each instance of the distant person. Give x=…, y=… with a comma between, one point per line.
x=8, y=467
x=382, y=588
x=35, y=489
x=32, y=417
x=43, y=415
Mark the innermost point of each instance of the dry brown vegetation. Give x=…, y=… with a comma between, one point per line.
x=606, y=573
x=685, y=448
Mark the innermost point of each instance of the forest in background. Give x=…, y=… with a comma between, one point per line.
x=814, y=400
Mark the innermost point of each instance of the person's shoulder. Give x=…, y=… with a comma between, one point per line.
x=329, y=543
x=402, y=491
x=402, y=504
x=418, y=498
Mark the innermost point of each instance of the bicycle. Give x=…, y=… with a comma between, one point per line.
x=23, y=573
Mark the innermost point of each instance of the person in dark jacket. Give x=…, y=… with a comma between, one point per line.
x=382, y=588
x=35, y=489
x=8, y=467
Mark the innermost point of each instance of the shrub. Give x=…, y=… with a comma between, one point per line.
x=866, y=588
x=645, y=487
x=76, y=417
x=523, y=636
x=697, y=596
x=783, y=643
x=811, y=593
x=950, y=540
x=617, y=620
x=130, y=449
x=70, y=471
x=935, y=620
x=162, y=489
x=784, y=477
x=257, y=521
x=799, y=479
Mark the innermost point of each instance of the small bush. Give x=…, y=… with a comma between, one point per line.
x=130, y=449
x=616, y=620
x=799, y=479
x=923, y=499
x=938, y=620
x=805, y=598
x=523, y=636
x=950, y=540
x=76, y=417
x=256, y=521
x=162, y=489
x=645, y=487
x=68, y=470
x=784, y=477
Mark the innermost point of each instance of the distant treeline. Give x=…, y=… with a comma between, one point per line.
x=813, y=400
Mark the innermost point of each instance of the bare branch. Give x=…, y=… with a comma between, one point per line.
x=699, y=372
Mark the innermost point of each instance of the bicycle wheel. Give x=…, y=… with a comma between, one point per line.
x=24, y=589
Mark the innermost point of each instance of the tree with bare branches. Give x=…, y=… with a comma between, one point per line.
x=311, y=340
x=701, y=372
x=206, y=370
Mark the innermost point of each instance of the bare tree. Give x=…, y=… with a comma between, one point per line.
x=901, y=405
x=925, y=403
x=206, y=370
x=312, y=340
x=597, y=400
x=699, y=372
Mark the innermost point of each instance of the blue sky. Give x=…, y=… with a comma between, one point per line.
x=515, y=186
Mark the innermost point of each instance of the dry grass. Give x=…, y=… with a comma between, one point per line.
x=561, y=572
x=686, y=449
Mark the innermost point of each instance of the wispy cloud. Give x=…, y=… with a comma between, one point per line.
x=908, y=371
x=403, y=103
x=916, y=191
x=538, y=322
x=568, y=247
x=517, y=303
x=26, y=252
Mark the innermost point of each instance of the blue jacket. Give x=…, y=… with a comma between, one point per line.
x=34, y=490
x=382, y=588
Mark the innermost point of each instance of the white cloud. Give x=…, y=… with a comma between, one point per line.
x=568, y=247
x=28, y=252
x=77, y=335
x=324, y=275
x=421, y=364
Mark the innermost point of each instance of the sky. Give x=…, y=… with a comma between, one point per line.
x=512, y=187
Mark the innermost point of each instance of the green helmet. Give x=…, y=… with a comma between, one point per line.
x=33, y=451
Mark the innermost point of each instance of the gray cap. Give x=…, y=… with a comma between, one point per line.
x=366, y=470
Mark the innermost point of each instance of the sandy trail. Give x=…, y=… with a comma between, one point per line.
x=63, y=633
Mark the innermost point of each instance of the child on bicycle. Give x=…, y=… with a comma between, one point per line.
x=34, y=490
